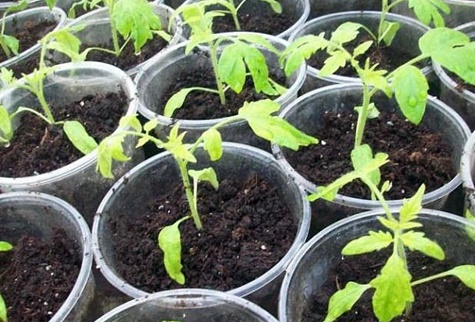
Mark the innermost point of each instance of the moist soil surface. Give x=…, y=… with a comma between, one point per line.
x=200, y=105
x=38, y=275
x=416, y=154
x=441, y=300
x=257, y=19
x=247, y=230
x=128, y=59
x=38, y=147
x=28, y=36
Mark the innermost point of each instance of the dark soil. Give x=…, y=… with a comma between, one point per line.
x=38, y=147
x=388, y=58
x=416, y=154
x=441, y=300
x=253, y=18
x=38, y=275
x=247, y=230
x=201, y=105
x=128, y=59
x=28, y=36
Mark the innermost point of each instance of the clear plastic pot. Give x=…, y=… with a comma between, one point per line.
x=153, y=80
x=297, y=10
x=320, y=8
x=459, y=98
x=97, y=31
x=191, y=305
x=310, y=268
x=62, y=4
x=38, y=214
x=78, y=183
x=131, y=194
x=467, y=172
x=306, y=114
x=461, y=12
x=19, y=19
x=406, y=40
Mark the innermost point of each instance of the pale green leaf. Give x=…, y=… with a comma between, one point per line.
x=275, y=5
x=372, y=112
x=150, y=125
x=391, y=224
x=212, y=143
x=415, y=240
x=411, y=87
x=11, y=42
x=362, y=48
x=21, y=5
x=170, y=243
x=205, y=175
x=142, y=141
x=79, y=137
x=176, y=101
x=5, y=246
x=392, y=290
x=300, y=50
x=181, y=152
x=335, y=61
x=369, y=243
x=6, y=129
x=258, y=41
x=346, y=32
x=67, y=43
x=361, y=156
x=104, y=160
x=412, y=206
x=389, y=32
x=257, y=65
x=130, y=121
x=428, y=11
x=136, y=18
x=116, y=148
x=469, y=229
x=3, y=310
x=377, y=79
x=51, y=3
x=343, y=300
x=409, y=225
x=466, y=273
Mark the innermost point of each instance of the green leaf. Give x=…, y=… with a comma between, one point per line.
x=257, y=65
x=377, y=79
x=50, y=3
x=176, y=101
x=412, y=206
x=369, y=243
x=389, y=32
x=410, y=87
x=392, y=290
x=231, y=67
x=391, y=224
x=337, y=59
x=150, y=125
x=6, y=129
x=67, y=43
x=116, y=148
x=79, y=137
x=3, y=310
x=343, y=300
x=130, y=121
x=11, y=42
x=205, y=175
x=135, y=18
x=275, y=5
x=104, y=160
x=170, y=243
x=429, y=10
x=362, y=48
x=212, y=143
x=361, y=156
x=5, y=246
x=373, y=111
x=271, y=127
x=21, y=5
x=300, y=50
x=466, y=273
x=415, y=240
x=346, y=32
x=470, y=230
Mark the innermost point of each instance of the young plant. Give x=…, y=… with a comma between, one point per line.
x=4, y=247
x=231, y=8
x=133, y=20
x=259, y=116
x=10, y=45
x=393, y=287
x=450, y=48
x=239, y=58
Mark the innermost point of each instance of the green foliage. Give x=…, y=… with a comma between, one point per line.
x=260, y=117
x=470, y=230
x=9, y=44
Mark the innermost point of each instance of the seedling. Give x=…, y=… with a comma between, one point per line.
x=393, y=287
x=133, y=20
x=10, y=44
x=4, y=247
x=450, y=48
x=230, y=8
x=259, y=117
x=239, y=58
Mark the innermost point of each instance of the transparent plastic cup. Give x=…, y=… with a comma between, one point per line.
x=312, y=265
x=78, y=183
x=155, y=176
x=38, y=214
x=406, y=39
x=467, y=172
x=62, y=4
x=190, y=305
x=320, y=8
x=306, y=114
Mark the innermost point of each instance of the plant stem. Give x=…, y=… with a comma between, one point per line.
x=214, y=62
x=182, y=165
x=430, y=278
x=382, y=19
x=362, y=115
x=115, y=38
x=234, y=13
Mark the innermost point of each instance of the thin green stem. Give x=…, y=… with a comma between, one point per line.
x=430, y=278
x=382, y=19
x=214, y=62
x=115, y=37
x=182, y=165
x=362, y=115
x=378, y=194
